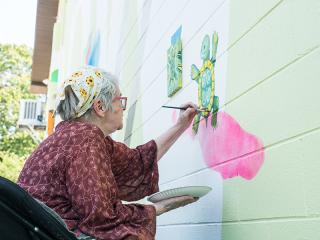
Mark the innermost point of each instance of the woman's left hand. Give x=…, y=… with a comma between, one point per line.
x=186, y=116
x=169, y=204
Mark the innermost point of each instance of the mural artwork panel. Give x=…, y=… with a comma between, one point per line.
x=174, y=64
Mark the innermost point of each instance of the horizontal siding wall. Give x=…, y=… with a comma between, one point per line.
x=267, y=78
x=273, y=92
x=144, y=71
x=152, y=71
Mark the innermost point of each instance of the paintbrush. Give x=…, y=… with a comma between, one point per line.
x=185, y=108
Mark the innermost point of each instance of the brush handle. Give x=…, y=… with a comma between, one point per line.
x=181, y=108
x=184, y=108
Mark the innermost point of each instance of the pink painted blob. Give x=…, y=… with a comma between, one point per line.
x=229, y=149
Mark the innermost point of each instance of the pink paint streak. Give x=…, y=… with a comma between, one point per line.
x=229, y=149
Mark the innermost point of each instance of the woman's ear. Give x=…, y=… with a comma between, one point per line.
x=98, y=108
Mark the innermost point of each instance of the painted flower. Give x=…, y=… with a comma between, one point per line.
x=77, y=74
x=98, y=74
x=83, y=92
x=90, y=81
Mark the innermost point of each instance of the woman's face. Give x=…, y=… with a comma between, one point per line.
x=118, y=111
x=115, y=116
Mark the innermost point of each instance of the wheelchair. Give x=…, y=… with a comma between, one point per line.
x=24, y=218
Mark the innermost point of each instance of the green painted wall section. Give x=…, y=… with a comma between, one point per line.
x=272, y=87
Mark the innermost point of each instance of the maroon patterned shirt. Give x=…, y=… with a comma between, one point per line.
x=84, y=176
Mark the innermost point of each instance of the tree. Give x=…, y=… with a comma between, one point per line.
x=15, y=72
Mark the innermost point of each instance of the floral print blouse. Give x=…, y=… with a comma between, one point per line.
x=83, y=176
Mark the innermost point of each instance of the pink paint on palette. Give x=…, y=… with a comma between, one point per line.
x=229, y=149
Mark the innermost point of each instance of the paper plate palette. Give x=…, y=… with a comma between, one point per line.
x=195, y=191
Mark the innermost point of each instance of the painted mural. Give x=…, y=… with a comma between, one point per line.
x=93, y=49
x=174, y=64
x=205, y=79
x=229, y=149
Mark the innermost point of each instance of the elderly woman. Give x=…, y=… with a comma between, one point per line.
x=82, y=174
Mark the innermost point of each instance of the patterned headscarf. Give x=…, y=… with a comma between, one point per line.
x=86, y=84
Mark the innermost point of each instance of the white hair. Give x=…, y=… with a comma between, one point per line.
x=67, y=107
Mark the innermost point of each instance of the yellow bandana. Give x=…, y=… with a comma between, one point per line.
x=86, y=84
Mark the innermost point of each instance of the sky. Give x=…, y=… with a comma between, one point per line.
x=17, y=21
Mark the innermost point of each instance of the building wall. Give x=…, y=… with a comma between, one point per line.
x=262, y=159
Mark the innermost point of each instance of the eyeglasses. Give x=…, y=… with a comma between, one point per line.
x=123, y=101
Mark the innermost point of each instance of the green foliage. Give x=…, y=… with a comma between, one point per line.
x=15, y=72
x=15, y=69
x=10, y=165
x=20, y=143
x=15, y=59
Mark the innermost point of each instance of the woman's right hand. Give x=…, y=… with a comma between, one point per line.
x=173, y=203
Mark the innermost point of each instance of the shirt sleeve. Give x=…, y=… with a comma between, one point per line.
x=94, y=196
x=135, y=170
